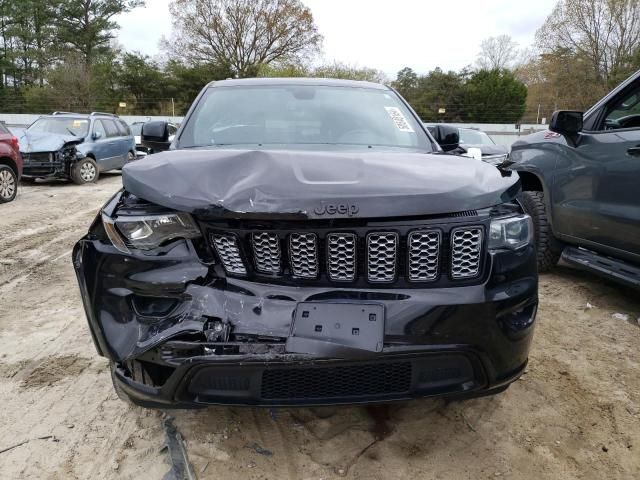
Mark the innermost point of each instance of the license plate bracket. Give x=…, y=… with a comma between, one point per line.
x=351, y=325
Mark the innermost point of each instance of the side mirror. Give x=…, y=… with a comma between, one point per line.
x=566, y=122
x=155, y=136
x=96, y=135
x=447, y=137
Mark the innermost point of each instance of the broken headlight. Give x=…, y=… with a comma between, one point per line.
x=511, y=232
x=149, y=231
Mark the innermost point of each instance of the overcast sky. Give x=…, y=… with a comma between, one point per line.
x=387, y=35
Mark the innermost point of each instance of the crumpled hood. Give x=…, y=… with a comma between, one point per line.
x=302, y=184
x=45, y=142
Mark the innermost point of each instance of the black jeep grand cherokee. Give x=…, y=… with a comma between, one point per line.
x=307, y=242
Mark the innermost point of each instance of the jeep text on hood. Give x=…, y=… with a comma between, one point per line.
x=305, y=242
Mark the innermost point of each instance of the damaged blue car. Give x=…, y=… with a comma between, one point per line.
x=76, y=146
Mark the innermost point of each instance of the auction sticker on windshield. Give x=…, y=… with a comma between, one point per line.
x=399, y=119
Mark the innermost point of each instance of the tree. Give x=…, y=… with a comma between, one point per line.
x=245, y=34
x=141, y=78
x=86, y=26
x=186, y=81
x=406, y=83
x=558, y=80
x=604, y=33
x=284, y=69
x=494, y=96
x=71, y=86
x=429, y=93
x=497, y=53
x=349, y=72
x=28, y=39
x=331, y=70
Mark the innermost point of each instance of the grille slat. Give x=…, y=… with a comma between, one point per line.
x=303, y=255
x=227, y=248
x=341, y=253
x=382, y=248
x=466, y=246
x=337, y=381
x=266, y=252
x=424, y=255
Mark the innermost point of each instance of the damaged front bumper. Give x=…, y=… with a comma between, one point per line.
x=180, y=334
x=56, y=164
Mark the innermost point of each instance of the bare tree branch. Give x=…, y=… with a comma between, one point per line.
x=606, y=33
x=497, y=53
x=244, y=34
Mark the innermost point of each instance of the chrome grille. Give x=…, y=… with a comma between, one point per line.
x=424, y=254
x=227, y=248
x=266, y=252
x=341, y=251
x=434, y=253
x=381, y=256
x=466, y=247
x=303, y=255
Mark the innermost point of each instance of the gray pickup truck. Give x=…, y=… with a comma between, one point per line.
x=581, y=186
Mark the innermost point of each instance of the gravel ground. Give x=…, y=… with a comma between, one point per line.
x=574, y=414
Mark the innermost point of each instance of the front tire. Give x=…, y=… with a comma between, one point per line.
x=548, y=247
x=8, y=184
x=85, y=171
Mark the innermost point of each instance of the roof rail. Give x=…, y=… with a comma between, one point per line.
x=65, y=113
x=93, y=114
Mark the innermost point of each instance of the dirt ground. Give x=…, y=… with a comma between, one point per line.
x=575, y=414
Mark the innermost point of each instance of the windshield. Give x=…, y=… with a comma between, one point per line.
x=474, y=137
x=136, y=129
x=296, y=115
x=78, y=127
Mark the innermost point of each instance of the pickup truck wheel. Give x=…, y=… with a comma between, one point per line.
x=8, y=184
x=548, y=248
x=85, y=171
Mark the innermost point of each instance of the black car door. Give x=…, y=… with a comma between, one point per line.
x=599, y=188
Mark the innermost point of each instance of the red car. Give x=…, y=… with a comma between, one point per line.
x=10, y=165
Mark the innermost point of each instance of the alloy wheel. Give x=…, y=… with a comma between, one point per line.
x=7, y=184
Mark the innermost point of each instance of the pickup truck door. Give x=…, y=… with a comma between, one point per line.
x=597, y=191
